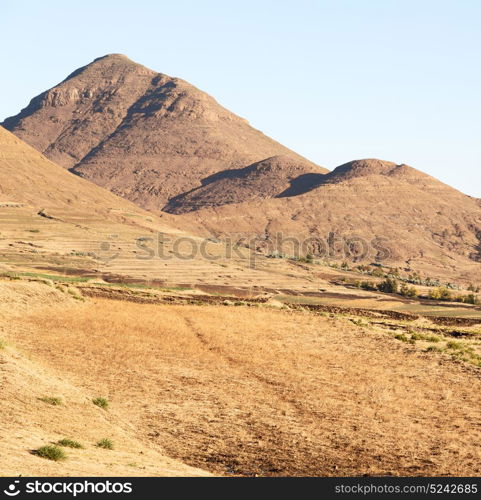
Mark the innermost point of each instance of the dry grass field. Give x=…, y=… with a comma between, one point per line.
x=228, y=390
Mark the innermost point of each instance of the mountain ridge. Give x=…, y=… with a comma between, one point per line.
x=144, y=135
x=166, y=146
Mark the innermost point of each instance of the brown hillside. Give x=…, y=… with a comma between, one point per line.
x=27, y=177
x=423, y=222
x=141, y=134
x=54, y=221
x=275, y=176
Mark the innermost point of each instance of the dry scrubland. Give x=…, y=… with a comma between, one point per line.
x=229, y=390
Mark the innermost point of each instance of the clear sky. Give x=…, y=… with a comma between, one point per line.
x=335, y=80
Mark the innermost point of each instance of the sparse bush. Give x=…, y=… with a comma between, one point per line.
x=51, y=452
x=434, y=348
x=403, y=338
x=394, y=271
x=389, y=285
x=105, y=443
x=440, y=293
x=368, y=285
x=69, y=443
x=101, y=402
x=360, y=322
x=471, y=299
x=378, y=272
x=51, y=400
x=3, y=344
x=75, y=294
x=408, y=291
x=308, y=259
x=427, y=338
x=454, y=345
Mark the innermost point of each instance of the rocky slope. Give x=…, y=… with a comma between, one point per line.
x=363, y=210
x=142, y=134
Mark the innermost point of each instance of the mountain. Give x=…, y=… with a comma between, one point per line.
x=143, y=135
x=166, y=146
x=394, y=212
x=274, y=176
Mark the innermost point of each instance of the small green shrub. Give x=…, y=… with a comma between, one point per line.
x=3, y=344
x=454, y=345
x=51, y=400
x=105, y=443
x=403, y=338
x=408, y=291
x=389, y=285
x=427, y=338
x=101, y=402
x=434, y=348
x=69, y=443
x=51, y=452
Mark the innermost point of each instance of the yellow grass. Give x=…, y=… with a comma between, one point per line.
x=238, y=390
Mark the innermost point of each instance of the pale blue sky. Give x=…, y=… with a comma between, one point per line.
x=333, y=80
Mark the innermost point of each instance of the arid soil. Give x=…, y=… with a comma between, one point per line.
x=234, y=390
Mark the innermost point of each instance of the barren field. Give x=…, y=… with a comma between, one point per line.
x=247, y=390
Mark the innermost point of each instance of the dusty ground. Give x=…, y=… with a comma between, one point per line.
x=233, y=390
x=26, y=422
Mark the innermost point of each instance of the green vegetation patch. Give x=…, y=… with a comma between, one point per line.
x=69, y=443
x=105, y=443
x=50, y=452
x=101, y=402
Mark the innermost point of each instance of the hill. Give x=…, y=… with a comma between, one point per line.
x=55, y=222
x=396, y=213
x=143, y=135
x=271, y=177
x=27, y=177
x=165, y=145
